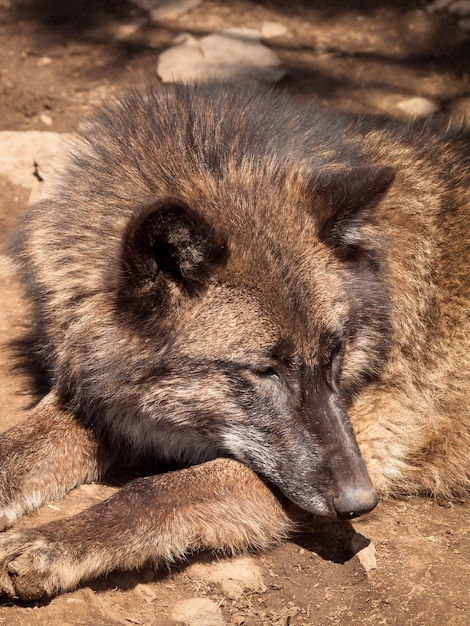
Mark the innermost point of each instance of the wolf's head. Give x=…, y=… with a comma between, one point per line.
x=259, y=327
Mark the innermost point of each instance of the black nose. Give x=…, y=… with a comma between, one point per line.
x=354, y=502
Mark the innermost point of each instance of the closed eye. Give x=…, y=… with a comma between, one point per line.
x=265, y=371
x=333, y=365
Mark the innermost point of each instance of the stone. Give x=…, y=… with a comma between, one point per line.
x=235, y=576
x=27, y=158
x=437, y=5
x=365, y=552
x=46, y=119
x=461, y=8
x=242, y=44
x=129, y=29
x=171, y=9
x=43, y=61
x=146, y=592
x=147, y=5
x=418, y=107
x=197, y=612
x=181, y=62
x=270, y=30
x=226, y=53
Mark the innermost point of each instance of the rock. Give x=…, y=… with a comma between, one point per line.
x=198, y=612
x=129, y=29
x=461, y=7
x=166, y=9
x=43, y=61
x=84, y=595
x=364, y=550
x=46, y=119
x=27, y=158
x=171, y=9
x=146, y=592
x=225, y=53
x=183, y=61
x=269, y=30
x=235, y=576
x=147, y=5
x=238, y=46
x=418, y=107
x=437, y=5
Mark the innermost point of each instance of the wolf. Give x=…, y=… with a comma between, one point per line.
x=265, y=302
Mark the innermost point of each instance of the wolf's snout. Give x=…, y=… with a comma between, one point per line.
x=354, y=502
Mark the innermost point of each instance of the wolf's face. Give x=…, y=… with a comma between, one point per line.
x=261, y=338
x=270, y=399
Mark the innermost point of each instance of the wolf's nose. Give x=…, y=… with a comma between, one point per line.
x=354, y=502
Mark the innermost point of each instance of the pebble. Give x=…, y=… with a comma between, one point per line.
x=166, y=9
x=364, y=550
x=235, y=576
x=129, y=29
x=147, y=5
x=146, y=592
x=437, y=5
x=226, y=53
x=79, y=596
x=183, y=61
x=197, y=612
x=462, y=8
x=46, y=119
x=418, y=107
x=270, y=30
x=240, y=44
x=171, y=9
x=27, y=156
x=43, y=61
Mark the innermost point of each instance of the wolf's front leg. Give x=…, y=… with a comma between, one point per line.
x=43, y=458
x=220, y=505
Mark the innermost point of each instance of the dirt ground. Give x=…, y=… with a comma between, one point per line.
x=58, y=59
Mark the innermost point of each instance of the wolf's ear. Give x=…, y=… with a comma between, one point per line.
x=345, y=199
x=168, y=248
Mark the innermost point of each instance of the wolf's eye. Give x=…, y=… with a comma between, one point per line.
x=333, y=364
x=266, y=371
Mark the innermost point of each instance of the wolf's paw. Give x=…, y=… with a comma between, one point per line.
x=32, y=567
x=9, y=514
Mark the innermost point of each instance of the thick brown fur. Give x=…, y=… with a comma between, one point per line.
x=223, y=281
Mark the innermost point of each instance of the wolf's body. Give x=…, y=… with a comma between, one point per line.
x=218, y=277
